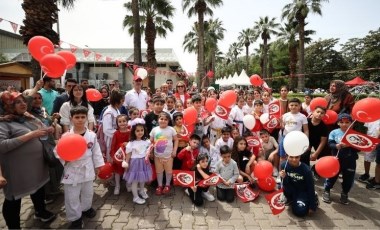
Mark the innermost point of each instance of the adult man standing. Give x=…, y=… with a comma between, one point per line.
x=70, y=82
x=48, y=94
x=169, y=82
x=136, y=97
x=84, y=84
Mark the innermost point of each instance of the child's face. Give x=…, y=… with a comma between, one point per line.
x=266, y=97
x=256, y=95
x=241, y=145
x=264, y=138
x=344, y=124
x=178, y=121
x=158, y=107
x=234, y=133
x=79, y=120
x=188, y=103
x=226, y=158
x=122, y=122
x=225, y=136
x=163, y=121
x=134, y=114
x=197, y=105
x=318, y=113
x=249, y=100
x=169, y=104
x=241, y=103
x=179, y=107
x=203, y=163
x=294, y=107
x=258, y=107
x=139, y=132
x=307, y=99
x=194, y=144
x=284, y=92
x=294, y=161
x=213, y=94
x=206, y=143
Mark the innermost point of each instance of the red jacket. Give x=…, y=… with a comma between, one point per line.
x=178, y=97
x=188, y=158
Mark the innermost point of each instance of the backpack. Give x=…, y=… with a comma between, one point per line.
x=100, y=136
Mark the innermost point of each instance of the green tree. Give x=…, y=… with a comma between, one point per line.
x=371, y=54
x=246, y=38
x=299, y=10
x=352, y=52
x=200, y=8
x=264, y=28
x=155, y=15
x=234, y=51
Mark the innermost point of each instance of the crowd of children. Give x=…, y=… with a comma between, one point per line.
x=159, y=141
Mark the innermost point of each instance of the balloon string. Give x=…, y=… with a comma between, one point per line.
x=349, y=127
x=41, y=74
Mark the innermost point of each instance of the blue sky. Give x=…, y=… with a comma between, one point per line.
x=98, y=23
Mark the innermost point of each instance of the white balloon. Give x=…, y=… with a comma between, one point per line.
x=249, y=121
x=296, y=143
x=141, y=72
x=264, y=118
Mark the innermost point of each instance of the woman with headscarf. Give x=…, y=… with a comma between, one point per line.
x=339, y=99
x=22, y=162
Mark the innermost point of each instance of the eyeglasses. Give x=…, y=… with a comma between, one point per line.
x=111, y=84
x=180, y=86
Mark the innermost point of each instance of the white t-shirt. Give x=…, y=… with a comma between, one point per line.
x=219, y=143
x=137, y=148
x=373, y=128
x=134, y=99
x=293, y=122
x=163, y=141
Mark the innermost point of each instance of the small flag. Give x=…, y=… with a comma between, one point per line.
x=184, y=178
x=98, y=56
x=213, y=180
x=222, y=112
x=73, y=48
x=86, y=52
x=108, y=59
x=245, y=193
x=360, y=141
x=272, y=123
x=274, y=109
x=275, y=202
x=14, y=26
x=117, y=62
x=119, y=155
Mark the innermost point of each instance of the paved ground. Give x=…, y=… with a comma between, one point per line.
x=177, y=212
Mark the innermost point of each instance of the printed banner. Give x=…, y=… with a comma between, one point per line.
x=245, y=193
x=184, y=178
x=275, y=203
x=360, y=141
x=213, y=180
x=222, y=112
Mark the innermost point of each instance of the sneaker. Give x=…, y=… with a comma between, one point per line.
x=49, y=200
x=208, y=196
x=187, y=191
x=159, y=190
x=326, y=197
x=373, y=185
x=363, y=178
x=143, y=194
x=91, y=213
x=344, y=198
x=371, y=180
x=44, y=216
x=117, y=190
x=78, y=224
x=138, y=200
x=316, y=199
x=166, y=190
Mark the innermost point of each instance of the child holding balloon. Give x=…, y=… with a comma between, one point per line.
x=78, y=175
x=138, y=170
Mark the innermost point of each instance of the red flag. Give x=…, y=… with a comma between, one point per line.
x=274, y=201
x=143, y=113
x=119, y=155
x=253, y=141
x=360, y=141
x=274, y=109
x=98, y=56
x=117, y=62
x=222, y=112
x=272, y=123
x=73, y=48
x=14, y=26
x=186, y=132
x=86, y=52
x=108, y=59
x=213, y=180
x=184, y=178
x=245, y=193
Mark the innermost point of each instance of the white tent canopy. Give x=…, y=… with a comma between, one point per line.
x=243, y=79
x=234, y=80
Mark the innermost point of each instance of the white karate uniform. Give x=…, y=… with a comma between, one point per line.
x=236, y=117
x=78, y=177
x=213, y=154
x=219, y=143
x=109, y=127
x=216, y=128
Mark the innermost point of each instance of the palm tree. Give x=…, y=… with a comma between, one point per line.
x=234, y=51
x=265, y=28
x=299, y=10
x=214, y=32
x=246, y=38
x=200, y=8
x=155, y=15
x=137, y=59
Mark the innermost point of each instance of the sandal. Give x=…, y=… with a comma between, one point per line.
x=159, y=190
x=166, y=190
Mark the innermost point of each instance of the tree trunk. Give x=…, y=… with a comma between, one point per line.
x=247, y=56
x=301, y=70
x=136, y=33
x=150, y=37
x=293, y=66
x=265, y=58
x=201, y=49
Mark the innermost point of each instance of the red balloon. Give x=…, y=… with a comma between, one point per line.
x=318, y=101
x=330, y=117
x=93, y=95
x=263, y=169
x=53, y=65
x=71, y=147
x=366, y=110
x=190, y=116
x=39, y=46
x=327, y=166
x=106, y=171
x=210, y=104
x=210, y=74
x=256, y=80
x=69, y=57
x=267, y=184
x=228, y=98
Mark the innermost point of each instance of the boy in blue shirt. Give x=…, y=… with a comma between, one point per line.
x=347, y=159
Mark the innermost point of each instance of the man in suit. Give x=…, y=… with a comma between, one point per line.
x=70, y=82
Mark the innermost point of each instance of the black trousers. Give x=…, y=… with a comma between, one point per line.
x=196, y=197
x=11, y=208
x=225, y=194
